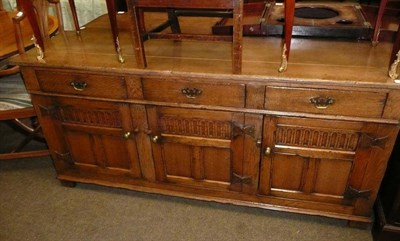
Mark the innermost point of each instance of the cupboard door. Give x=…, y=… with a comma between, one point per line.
x=97, y=137
x=205, y=149
x=325, y=161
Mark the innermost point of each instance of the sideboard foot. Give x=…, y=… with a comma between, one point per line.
x=68, y=183
x=359, y=225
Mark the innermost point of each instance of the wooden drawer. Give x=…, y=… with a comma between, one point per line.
x=194, y=92
x=95, y=85
x=331, y=102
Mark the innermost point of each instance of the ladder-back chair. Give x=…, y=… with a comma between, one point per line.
x=136, y=8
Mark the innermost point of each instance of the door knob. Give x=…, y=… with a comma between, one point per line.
x=267, y=151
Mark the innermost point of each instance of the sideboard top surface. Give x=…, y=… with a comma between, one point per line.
x=330, y=61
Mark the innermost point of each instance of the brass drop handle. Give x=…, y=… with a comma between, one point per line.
x=191, y=93
x=267, y=151
x=322, y=102
x=155, y=139
x=79, y=85
x=127, y=135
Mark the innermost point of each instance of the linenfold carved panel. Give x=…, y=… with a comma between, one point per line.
x=104, y=118
x=317, y=138
x=196, y=127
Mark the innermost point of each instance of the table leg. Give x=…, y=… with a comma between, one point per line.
x=237, y=38
x=173, y=21
x=74, y=16
x=395, y=57
x=289, y=19
x=28, y=9
x=137, y=25
x=377, y=28
x=112, y=14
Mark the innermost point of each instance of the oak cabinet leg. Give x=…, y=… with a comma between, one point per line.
x=68, y=183
x=359, y=225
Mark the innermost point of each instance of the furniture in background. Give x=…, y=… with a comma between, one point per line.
x=136, y=9
x=87, y=10
x=387, y=225
x=111, y=7
x=15, y=103
x=38, y=20
x=112, y=14
x=16, y=106
x=7, y=45
x=16, y=35
x=394, y=57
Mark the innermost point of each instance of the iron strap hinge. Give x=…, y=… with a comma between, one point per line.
x=373, y=141
x=66, y=157
x=241, y=179
x=51, y=111
x=239, y=130
x=352, y=193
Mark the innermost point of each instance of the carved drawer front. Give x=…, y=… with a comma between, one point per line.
x=194, y=92
x=331, y=102
x=94, y=85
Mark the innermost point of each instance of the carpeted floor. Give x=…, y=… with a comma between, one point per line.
x=34, y=206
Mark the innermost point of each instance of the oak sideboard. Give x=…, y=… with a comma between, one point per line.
x=314, y=140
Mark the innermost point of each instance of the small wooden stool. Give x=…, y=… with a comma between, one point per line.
x=136, y=8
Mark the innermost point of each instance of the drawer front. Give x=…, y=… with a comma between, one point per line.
x=193, y=92
x=94, y=85
x=331, y=102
